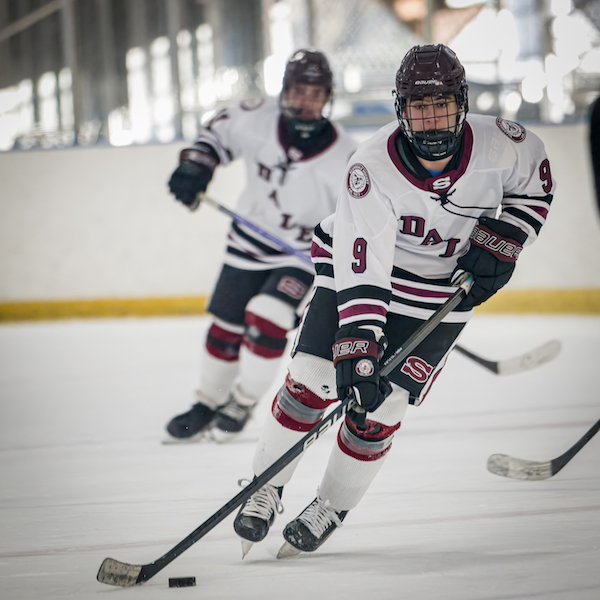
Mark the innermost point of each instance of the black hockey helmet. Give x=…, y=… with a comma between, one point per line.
x=428, y=72
x=306, y=67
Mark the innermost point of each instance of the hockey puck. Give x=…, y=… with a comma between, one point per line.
x=182, y=581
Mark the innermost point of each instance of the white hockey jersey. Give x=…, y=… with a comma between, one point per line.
x=287, y=193
x=394, y=239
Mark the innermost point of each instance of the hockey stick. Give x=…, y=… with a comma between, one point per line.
x=115, y=572
x=530, y=470
x=239, y=219
x=519, y=364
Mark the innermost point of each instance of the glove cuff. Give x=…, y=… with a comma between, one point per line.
x=504, y=249
x=353, y=347
x=201, y=156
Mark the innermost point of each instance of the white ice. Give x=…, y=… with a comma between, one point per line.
x=84, y=475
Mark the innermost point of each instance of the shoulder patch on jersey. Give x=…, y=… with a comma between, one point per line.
x=513, y=130
x=252, y=103
x=359, y=182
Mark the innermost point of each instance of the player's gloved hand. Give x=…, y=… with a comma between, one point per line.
x=193, y=174
x=495, y=247
x=356, y=356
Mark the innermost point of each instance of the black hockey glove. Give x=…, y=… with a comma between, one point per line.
x=193, y=174
x=495, y=247
x=356, y=356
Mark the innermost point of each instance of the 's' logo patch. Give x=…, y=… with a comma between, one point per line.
x=416, y=368
x=359, y=182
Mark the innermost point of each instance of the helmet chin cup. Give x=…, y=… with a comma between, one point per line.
x=434, y=145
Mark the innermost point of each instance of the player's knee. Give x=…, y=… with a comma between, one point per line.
x=308, y=389
x=224, y=339
x=393, y=409
x=381, y=425
x=268, y=320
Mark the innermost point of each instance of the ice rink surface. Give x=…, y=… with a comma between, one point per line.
x=84, y=475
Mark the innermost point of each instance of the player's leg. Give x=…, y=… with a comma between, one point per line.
x=269, y=316
x=219, y=361
x=359, y=454
x=299, y=405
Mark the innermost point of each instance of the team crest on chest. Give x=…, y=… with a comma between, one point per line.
x=359, y=182
x=513, y=130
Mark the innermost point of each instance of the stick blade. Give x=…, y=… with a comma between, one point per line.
x=517, y=468
x=531, y=360
x=115, y=572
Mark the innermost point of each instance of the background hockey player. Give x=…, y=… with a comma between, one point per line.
x=294, y=159
x=423, y=198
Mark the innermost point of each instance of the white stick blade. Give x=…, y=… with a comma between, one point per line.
x=517, y=468
x=115, y=572
x=531, y=360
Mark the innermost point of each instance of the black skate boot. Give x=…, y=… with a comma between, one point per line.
x=232, y=417
x=257, y=514
x=309, y=530
x=189, y=426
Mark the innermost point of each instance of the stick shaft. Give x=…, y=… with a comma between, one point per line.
x=268, y=236
x=558, y=463
x=151, y=569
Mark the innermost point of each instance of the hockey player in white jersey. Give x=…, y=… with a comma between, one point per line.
x=426, y=196
x=294, y=158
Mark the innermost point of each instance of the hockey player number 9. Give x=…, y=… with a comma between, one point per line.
x=546, y=176
x=359, y=265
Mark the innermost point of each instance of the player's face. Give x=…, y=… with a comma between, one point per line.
x=432, y=113
x=308, y=100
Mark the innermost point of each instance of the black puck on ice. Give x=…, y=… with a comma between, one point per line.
x=182, y=581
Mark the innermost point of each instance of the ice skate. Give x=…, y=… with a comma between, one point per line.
x=232, y=417
x=256, y=516
x=192, y=425
x=311, y=528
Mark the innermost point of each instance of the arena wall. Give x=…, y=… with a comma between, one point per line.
x=95, y=227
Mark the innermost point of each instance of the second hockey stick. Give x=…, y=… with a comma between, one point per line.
x=530, y=470
x=115, y=572
x=519, y=364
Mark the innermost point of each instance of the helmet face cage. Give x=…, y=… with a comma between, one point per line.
x=308, y=67
x=427, y=76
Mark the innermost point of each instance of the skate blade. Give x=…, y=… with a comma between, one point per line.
x=222, y=437
x=194, y=439
x=287, y=551
x=246, y=547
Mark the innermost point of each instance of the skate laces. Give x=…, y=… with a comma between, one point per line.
x=318, y=516
x=235, y=411
x=263, y=503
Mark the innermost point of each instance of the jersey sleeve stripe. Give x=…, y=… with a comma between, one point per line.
x=317, y=251
x=264, y=248
x=324, y=269
x=362, y=314
x=362, y=293
x=413, y=291
x=518, y=214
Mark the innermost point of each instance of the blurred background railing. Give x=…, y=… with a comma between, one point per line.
x=120, y=72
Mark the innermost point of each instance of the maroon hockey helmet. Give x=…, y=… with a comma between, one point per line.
x=309, y=67
x=429, y=72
